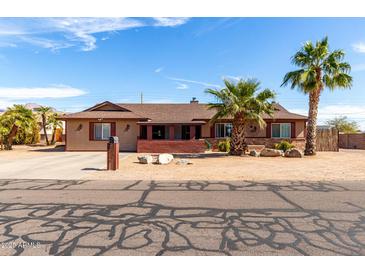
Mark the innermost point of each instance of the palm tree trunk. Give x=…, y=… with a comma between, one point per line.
x=44, y=128
x=310, y=142
x=53, y=135
x=238, y=142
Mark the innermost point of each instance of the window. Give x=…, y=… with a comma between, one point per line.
x=102, y=131
x=185, y=132
x=158, y=132
x=223, y=130
x=281, y=130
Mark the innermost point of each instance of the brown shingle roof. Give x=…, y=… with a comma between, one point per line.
x=102, y=115
x=168, y=113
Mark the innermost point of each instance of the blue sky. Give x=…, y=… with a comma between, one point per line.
x=72, y=63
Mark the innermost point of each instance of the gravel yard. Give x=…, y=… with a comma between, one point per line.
x=343, y=165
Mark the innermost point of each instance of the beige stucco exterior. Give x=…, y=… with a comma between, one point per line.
x=78, y=135
x=128, y=131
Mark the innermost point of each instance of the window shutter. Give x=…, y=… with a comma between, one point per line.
x=212, y=131
x=268, y=129
x=293, y=131
x=91, y=131
x=113, y=129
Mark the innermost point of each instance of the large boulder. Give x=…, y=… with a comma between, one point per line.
x=294, y=153
x=145, y=159
x=254, y=153
x=268, y=152
x=164, y=159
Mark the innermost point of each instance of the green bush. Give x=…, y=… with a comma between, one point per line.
x=224, y=145
x=284, y=146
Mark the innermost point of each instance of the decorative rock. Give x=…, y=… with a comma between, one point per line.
x=268, y=152
x=145, y=159
x=294, y=153
x=183, y=162
x=254, y=153
x=164, y=159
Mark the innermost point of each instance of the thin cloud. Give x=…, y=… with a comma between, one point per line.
x=358, y=67
x=182, y=86
x=170, y=21
x=353, y=112
x=193, y=82
x=158, y=70
x=236, y=78
x=52, y=92
x=359, y=47
x=59, y=33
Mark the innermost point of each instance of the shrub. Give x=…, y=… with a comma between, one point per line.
x=224, y=145
x=284, y=146
x=208, y=144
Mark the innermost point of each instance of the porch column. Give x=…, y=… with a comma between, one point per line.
x=149, y=132
x=192, y=132
x=172, y=132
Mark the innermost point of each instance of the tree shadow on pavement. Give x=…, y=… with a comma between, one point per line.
x=147, y=228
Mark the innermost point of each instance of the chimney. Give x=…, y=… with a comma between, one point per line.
x=194, y=101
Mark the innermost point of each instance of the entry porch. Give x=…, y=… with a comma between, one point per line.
x=170, y=138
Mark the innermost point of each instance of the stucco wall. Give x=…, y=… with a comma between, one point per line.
x=206, y=130
x=78, y=135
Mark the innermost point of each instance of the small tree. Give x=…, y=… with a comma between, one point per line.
x=342, y=124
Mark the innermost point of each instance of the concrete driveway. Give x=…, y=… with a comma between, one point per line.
x=52, y=164
x=82, y=217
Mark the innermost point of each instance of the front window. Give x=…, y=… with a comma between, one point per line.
x=281, y=130
x=158, y=132
x=223, y=130
x=102, y=131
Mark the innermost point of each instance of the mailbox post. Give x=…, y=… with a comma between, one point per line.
x=113, y=153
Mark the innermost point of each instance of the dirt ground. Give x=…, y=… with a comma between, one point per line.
x=329, y=166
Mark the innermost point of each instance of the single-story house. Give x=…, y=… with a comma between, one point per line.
x=184, y=128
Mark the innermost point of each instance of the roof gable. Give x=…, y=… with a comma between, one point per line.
x=106, y=106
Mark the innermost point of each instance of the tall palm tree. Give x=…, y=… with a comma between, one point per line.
x=320, y=68
x=45, y=112
x=241, y=102
x=14, y=118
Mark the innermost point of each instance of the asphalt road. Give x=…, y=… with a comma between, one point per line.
x=53, y=165
x=76, y=217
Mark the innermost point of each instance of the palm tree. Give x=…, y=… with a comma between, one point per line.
x=241, y=102
x=55, y=123
x=45, y=112
x=320, y=68
x=14, y=118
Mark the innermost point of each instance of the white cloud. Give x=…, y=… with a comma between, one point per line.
x=170, y=21
x=352, y=112
x=53, y=92
x=158, y=70
x=58, y=33
x=236, y=78
x=182, y=86
x=193, y=82
x=359, y=47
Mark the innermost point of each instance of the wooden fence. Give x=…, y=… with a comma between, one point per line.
x=327, y=139
x=352, y=140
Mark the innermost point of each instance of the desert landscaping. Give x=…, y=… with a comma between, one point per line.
x=326, y=166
